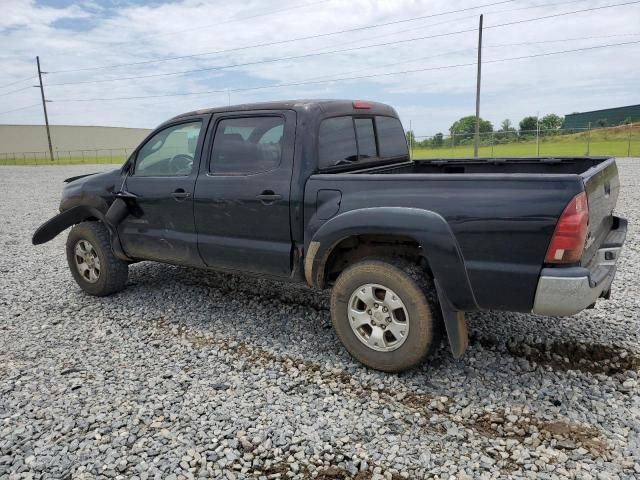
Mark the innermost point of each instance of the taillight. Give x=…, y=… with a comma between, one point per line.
x=568, y=238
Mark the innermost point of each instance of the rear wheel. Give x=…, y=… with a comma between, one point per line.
x=385, y=314
x=92, y=262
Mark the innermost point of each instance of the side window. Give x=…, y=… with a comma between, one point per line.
x=169, y=152
x=247, y=145
x=391, y=138
x=366, y=138
x=336, y=142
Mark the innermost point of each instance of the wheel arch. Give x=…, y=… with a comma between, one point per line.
x=410, y=227
x=80, y=213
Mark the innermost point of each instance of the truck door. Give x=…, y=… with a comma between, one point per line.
x=163, y=180
x=242, y=193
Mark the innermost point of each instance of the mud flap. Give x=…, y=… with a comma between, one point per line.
x=455, y=324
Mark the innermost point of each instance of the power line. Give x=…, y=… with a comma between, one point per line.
x=280, y=42
x=497, y=45
x=20, y=108
x=16, y=91
x=230, y=20
x=441, y=67
x=17, y=81
x=458, y=19
x=222, y=67
x=571, y=39
x=329, y=52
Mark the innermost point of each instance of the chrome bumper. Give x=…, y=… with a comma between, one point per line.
x=567, y=291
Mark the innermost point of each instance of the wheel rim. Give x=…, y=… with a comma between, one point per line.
x=87, y=261
x=378, y=317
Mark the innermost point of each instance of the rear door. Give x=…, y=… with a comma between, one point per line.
x=242, y=194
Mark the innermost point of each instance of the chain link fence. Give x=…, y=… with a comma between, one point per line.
x=622, y=141
x=66, y=157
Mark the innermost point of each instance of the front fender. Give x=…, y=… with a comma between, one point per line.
x=429, y=229
x=51, y=228
x=116, y=213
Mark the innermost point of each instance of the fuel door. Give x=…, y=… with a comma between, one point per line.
x=328, y=203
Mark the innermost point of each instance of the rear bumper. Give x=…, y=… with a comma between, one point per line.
x=567, y=291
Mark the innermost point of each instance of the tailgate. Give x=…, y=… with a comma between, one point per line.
x=602, y=185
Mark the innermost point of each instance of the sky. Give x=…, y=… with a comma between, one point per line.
x=416, y=55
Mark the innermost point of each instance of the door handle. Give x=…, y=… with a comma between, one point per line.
x=179, y=195
x=268, y=197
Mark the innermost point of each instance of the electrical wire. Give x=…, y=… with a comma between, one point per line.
x=295, y=57
x=230, y=20
x=17, y=81
x=329, y=52
x=279, y=42
x=441, y=67
x=16, y=91
x=20, y=108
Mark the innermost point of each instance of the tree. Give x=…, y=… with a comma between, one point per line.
x=465, y=127
x=602, y=122
x=411, y=138
x=438, y=139
x=506, y=126
x=528, y=125
x=551, y=122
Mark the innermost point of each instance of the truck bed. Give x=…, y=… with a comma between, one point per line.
x=544, y=165
x=502, y=211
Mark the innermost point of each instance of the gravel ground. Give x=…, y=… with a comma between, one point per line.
x=195, y=374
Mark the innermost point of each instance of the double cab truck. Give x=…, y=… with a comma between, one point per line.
x=324, y=192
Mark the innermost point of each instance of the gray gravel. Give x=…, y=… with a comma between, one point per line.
x=194, y=374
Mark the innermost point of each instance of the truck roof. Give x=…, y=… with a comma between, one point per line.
x=324, y=107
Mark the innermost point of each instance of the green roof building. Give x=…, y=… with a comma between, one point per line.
x=610, y=116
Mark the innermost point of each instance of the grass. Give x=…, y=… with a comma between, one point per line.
x=616, y=142
x=42, y=158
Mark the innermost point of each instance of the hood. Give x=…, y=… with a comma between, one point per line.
x=77, y=177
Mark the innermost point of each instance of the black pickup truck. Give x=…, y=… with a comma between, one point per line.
x=324, y=192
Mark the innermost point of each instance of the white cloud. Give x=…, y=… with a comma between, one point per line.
x=431, y=100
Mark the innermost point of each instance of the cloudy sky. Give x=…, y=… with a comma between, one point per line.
x=239, y=51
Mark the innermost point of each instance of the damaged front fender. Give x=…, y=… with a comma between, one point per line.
x=117, y=212
x=51, y=228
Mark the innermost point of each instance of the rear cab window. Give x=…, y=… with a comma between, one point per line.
x=358, y=140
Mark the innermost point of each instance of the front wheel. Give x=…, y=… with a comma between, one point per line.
x=385, y=314
x=92, y=262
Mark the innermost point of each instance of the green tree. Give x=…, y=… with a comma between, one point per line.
x=411, y=138
x=465, y=127
x=438, y=139
x=506, y=126
x=551, y=122
x=602, y=122
x=528, y=125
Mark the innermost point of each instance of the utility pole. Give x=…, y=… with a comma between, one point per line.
x=44, y=107
x=477, y=139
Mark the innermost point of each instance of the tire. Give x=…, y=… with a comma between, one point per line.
x=393, y=351
x=92, y=262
